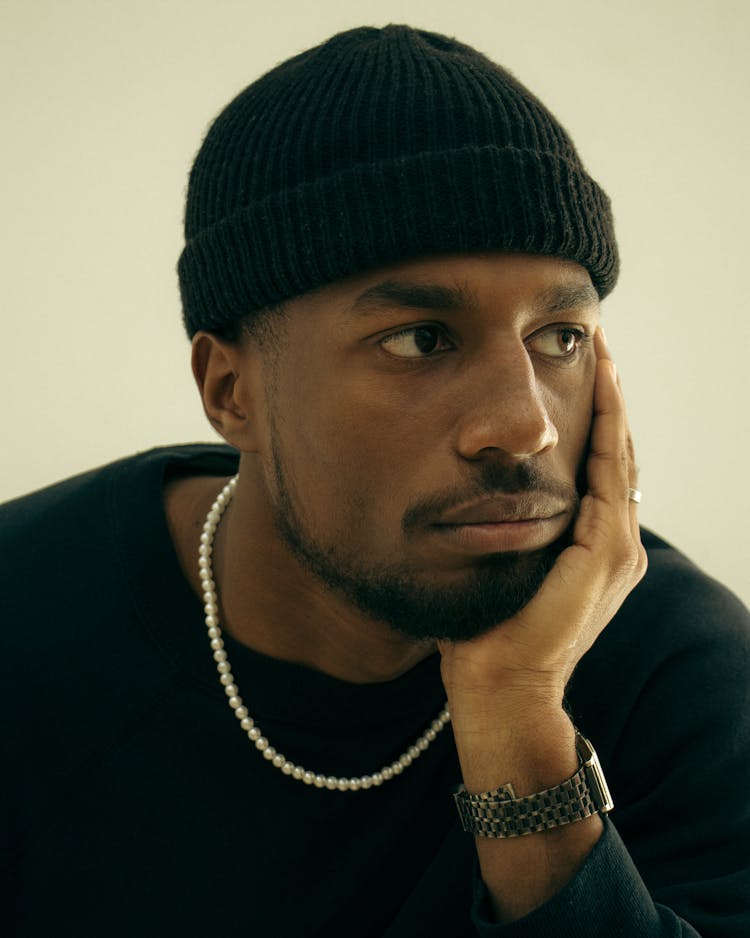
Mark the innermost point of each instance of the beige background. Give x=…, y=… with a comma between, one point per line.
x=104, y=105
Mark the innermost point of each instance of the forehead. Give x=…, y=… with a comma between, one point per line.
x=454, y=283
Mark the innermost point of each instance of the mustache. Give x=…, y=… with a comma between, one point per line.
x=528, y=481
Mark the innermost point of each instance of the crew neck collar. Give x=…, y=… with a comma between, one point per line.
x=173, y=615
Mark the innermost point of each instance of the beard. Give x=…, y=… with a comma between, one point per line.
x=494, y=589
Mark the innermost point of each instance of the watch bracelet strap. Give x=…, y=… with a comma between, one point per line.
x=498, y=814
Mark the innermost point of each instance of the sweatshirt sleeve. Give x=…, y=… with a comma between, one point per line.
x=606, y=899
x=664, y=696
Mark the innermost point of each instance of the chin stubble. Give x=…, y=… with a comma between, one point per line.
x=495, y=587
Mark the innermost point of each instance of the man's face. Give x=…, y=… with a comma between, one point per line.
x=428, y=424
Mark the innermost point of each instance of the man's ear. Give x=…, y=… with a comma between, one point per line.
x=228, y=375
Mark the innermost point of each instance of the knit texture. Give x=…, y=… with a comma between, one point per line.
x=378, y=146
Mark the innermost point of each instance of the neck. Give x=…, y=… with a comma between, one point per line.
x=269, y=602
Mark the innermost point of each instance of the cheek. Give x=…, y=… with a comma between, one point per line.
x=361, y=423
x=573, y=422
x=355, y=458
x=571, y=408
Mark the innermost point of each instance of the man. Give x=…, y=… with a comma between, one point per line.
x=344, y=677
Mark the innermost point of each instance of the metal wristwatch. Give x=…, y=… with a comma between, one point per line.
x=500, y=814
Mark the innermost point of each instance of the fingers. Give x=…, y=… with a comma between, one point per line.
x=632, y=476
x=609, y=466
x=630, y=464
x=612, y=468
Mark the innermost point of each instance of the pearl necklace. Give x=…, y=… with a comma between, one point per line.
x=249, y=726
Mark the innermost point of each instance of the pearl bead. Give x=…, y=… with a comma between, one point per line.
x=224, y=669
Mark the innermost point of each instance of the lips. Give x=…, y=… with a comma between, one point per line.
x=504, y=509
x=502, y=524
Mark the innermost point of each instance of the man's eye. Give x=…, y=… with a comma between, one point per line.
x=417, y=342
x=560, y=342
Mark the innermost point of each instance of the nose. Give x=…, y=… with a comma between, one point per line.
x=503, y=410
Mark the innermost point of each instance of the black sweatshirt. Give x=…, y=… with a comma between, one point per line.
x=132, y=804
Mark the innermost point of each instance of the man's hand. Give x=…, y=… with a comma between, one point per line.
x=505, y=688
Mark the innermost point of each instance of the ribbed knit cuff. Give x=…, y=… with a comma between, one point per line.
x=468, y=199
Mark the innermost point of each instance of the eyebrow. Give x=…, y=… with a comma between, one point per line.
x=399, y=294
x=570, y=296
x=402, y=294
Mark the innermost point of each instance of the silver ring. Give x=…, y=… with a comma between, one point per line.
x=634, y=495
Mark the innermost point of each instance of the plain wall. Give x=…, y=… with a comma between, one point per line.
x=105, y=103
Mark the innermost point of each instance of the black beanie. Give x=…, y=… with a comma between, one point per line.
x=378, y=146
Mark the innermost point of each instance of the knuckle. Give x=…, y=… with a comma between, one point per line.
x=630, y=561
x=642, y=561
